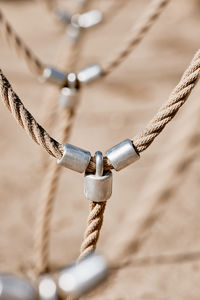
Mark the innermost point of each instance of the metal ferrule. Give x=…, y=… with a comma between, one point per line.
x=87, y=19
x=98, y=186
x=47, y=289
x=122, y=155
x=82, y=277
x=75, y=158
x=53, y=75
x=16, y=288
x=68, y=98
x=89, y=73
x=73, y=33
x=69, y=95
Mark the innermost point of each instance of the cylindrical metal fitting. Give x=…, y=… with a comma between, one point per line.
x=72, y=80
x=84, y=276
x=47, y=288
x=98, y=187
x=75, y=158
x=73, y=33
x=68, y=98
x=15, y=288
x=53, y=75
x=87, y=19
x=89, y=73
x=122, y=155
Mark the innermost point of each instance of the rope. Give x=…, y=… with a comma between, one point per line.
x=158, y=199
x=94, y=224
x=67, y=117
x=36, y=66
x=165, y=114
x=145, y=23
x=22, y=50
x=26, y=120
x=46, y=204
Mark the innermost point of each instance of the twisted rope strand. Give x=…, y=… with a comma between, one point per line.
x=94, y=224
x=22, y=50
x=46, y=204
x=145, y=23
x=165, y=114
x=67, y=117
x=26, y=120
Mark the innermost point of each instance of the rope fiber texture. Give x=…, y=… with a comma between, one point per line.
x=26, y=120
x=165, y=114
x=22, y=50
x=141, y=142
x=91, y=236
x=137, y=34
x=66, y=121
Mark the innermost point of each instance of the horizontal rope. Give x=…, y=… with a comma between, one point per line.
x=164, y=115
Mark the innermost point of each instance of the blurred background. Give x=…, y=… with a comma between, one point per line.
x=151, y=226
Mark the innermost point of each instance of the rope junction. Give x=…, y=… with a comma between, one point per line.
x=136, y=35
x=141, y=142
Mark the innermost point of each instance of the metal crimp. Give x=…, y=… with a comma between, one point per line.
x=89, y=73
x=47, y=289
x=75, y=158
x=69, y=95
x=79, y=22
x=16, y=288
x=83, y=276
x=122, y=155
x=52, y=75
x=98, y=186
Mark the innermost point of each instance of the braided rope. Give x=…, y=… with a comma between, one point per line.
x=144, y=25
x=33, y=63
x=26, y=120
x=165, y=114
x=46, y=204
x=67, y=117
x=181, y=162
x=94, y=224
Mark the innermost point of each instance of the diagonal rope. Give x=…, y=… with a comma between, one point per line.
x=22, y=50
x=26, y=120
x=137, y=34
x=165, y=114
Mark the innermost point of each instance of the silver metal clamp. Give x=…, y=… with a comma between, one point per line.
x=81, y=277
x=75, y=158
x=98, y=186
x=52, y=75
x=122, y=155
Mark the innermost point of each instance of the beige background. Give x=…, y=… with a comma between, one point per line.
x=164, y=263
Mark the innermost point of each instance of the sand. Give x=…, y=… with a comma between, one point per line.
x=157, y=259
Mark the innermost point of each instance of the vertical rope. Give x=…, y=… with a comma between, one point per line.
x=52, y=179
x=94, y=224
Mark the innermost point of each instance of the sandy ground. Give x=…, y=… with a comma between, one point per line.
x=151, y=227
